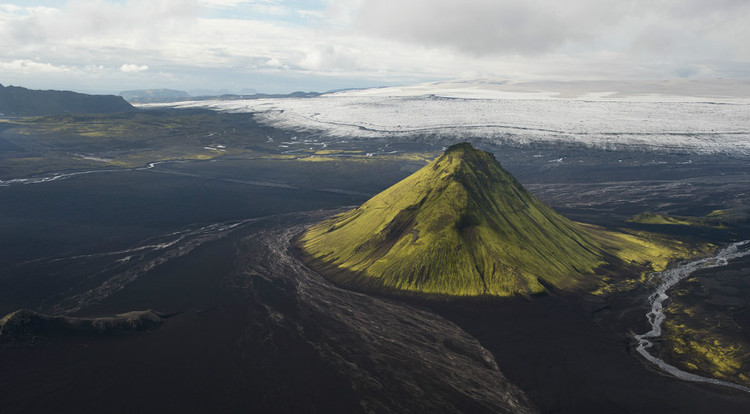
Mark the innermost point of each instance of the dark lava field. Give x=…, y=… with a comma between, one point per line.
x=247, y=327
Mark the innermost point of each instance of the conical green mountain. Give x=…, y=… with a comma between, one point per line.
x=463, y=226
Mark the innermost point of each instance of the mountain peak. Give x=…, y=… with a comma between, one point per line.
x=461, y=147
x=465, y=152
x=464, y=163
x=460, y=226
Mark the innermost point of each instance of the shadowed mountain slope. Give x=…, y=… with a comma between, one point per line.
x=18, y=101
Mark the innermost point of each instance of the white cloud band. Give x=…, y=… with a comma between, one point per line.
x=129, y=67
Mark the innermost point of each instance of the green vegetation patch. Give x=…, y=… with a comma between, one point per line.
x=713, y=220
x=90, y=141
x=75, y=142
x=642, y=253
x=706, y=331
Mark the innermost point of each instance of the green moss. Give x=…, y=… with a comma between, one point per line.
x=712, y=220
x=336, y=152
x=717, y=357
x=643, y=248
x=720, y=213
x=463, y=226
x=705, y=338
x=317, y=158
x=53, y=143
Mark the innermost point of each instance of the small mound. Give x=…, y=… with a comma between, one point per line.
x=23, y=326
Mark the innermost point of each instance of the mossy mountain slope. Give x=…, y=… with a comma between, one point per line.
x=460, y=226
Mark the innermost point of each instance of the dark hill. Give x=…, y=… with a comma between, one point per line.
x=24, y=326
x=18, y=101
x=463, y=226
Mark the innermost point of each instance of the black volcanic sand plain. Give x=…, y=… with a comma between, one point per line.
x=717, y=342
x=249, y=329
x=570, y=362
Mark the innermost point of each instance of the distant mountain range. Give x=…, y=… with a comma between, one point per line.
x=154, y=95
x=19, y=101
x=144, y=96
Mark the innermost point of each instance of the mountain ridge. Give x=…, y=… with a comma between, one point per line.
x=20, y=101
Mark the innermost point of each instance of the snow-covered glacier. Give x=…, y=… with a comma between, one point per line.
x=704, y=119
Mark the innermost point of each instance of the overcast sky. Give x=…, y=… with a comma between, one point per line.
x=283, y=46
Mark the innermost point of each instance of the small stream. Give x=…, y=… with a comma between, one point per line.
x=65, y=175
x=666, y=280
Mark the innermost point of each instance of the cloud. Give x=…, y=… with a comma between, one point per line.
x=222, y=3
x=27, y=67
x=310, y=14
x=78, y=20
x=684, y=28
x=213, y=43
x=489, y=26
x=129, y=67
x=330, y=57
